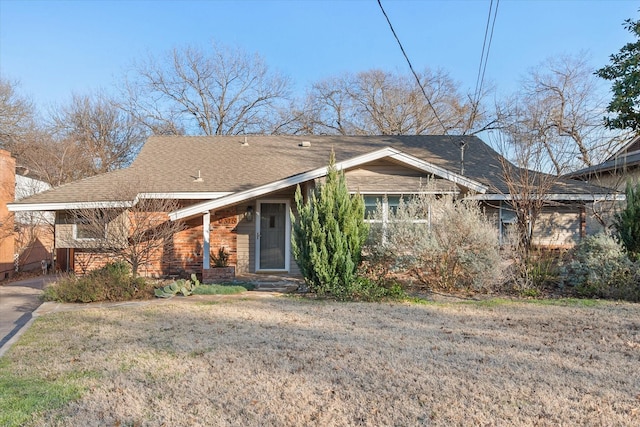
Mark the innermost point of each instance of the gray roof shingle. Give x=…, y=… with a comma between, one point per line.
x=170, y=164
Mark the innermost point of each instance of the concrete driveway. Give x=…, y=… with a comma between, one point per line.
x=18, y=300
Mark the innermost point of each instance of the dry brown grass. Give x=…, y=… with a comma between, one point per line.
x=284, y=361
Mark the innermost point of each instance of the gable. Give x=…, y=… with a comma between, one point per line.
x=386, y=176
x=390, y=154
x=631, y=147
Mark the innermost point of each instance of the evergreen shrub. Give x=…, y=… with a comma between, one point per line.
x=328, y=234
x=627, y=222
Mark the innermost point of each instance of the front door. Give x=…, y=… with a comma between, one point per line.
x=272, y=236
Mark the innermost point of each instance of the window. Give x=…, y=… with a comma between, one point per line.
x=85, y=230
x=370, y=206
x=389, y=205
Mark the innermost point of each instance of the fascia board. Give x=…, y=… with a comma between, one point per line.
x=554, y=197
x=19, y=207
x=24, y=207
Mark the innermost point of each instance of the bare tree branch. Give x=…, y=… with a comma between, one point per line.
x=223, y=91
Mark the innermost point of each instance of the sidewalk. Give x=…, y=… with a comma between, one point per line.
x=18, y=301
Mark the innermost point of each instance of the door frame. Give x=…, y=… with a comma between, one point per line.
x=287, y=235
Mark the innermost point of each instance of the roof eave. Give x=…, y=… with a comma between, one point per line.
x=63, y=206
x=553, y=197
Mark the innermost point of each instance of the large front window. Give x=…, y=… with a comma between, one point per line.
x=87, y=230
x=388, y=205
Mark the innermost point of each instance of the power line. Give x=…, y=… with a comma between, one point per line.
x=484, y=56
x=411, y=68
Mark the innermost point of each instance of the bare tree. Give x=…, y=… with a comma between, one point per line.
x=221, y=91
x=329, y=108
x=16, y=115
x=558, y=114
x=527, y=193
x=108, y=137
x=139, y=235
x=377, y=102
x=55, y=161
x=87, y=136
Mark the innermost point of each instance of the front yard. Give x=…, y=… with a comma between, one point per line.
x=241, y=361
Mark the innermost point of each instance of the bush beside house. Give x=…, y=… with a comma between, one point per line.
x=328, y=234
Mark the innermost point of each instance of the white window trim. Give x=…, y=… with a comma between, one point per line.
x=385, y=209
x=88, y=239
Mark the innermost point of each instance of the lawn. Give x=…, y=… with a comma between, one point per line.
x=248, y=361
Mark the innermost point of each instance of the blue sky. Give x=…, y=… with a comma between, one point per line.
x=54, y=48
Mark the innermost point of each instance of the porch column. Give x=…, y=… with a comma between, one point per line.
x=206, y=225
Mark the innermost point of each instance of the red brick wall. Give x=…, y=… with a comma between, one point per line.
x=187, y=250
x=224, y=234
x=7, y=195
x=86, y=261
x=187, y=254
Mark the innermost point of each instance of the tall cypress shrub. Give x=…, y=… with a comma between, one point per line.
x=328, y=234
x=627, y=222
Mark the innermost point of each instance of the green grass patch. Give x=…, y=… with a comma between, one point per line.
x=489, y=303
x=496, y=302
x=567, y=302
x=22, y=398
x=221, y=289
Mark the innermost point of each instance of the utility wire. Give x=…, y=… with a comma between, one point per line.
x=484, y=56
x=411, y=68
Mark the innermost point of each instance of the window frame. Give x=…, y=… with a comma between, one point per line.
x=383, y=198
x=80, y=221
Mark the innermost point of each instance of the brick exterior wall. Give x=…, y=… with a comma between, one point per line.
x=216, y=275
x=86, y=261
x=224, y=234
x=187, y=254
x=7, y=195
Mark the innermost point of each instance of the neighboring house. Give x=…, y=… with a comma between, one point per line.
x=26, y=238
x=237, y=192
x=613, y=173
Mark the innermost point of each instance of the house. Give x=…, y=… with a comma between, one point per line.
x=614, y=173
x=236, y=192
x=26, y=238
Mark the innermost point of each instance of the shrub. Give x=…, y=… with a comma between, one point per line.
x=222, y=259
x=113, y=282
x=600, y=268
x=368, y=289
x=627, y=222
x=328, y=235
x=72, y=288
x=532, y=272
x=445, y=244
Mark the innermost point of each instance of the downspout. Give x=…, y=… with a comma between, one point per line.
x=206, y=246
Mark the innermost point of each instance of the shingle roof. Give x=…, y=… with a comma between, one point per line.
x=170, y=164
x=616, y=164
